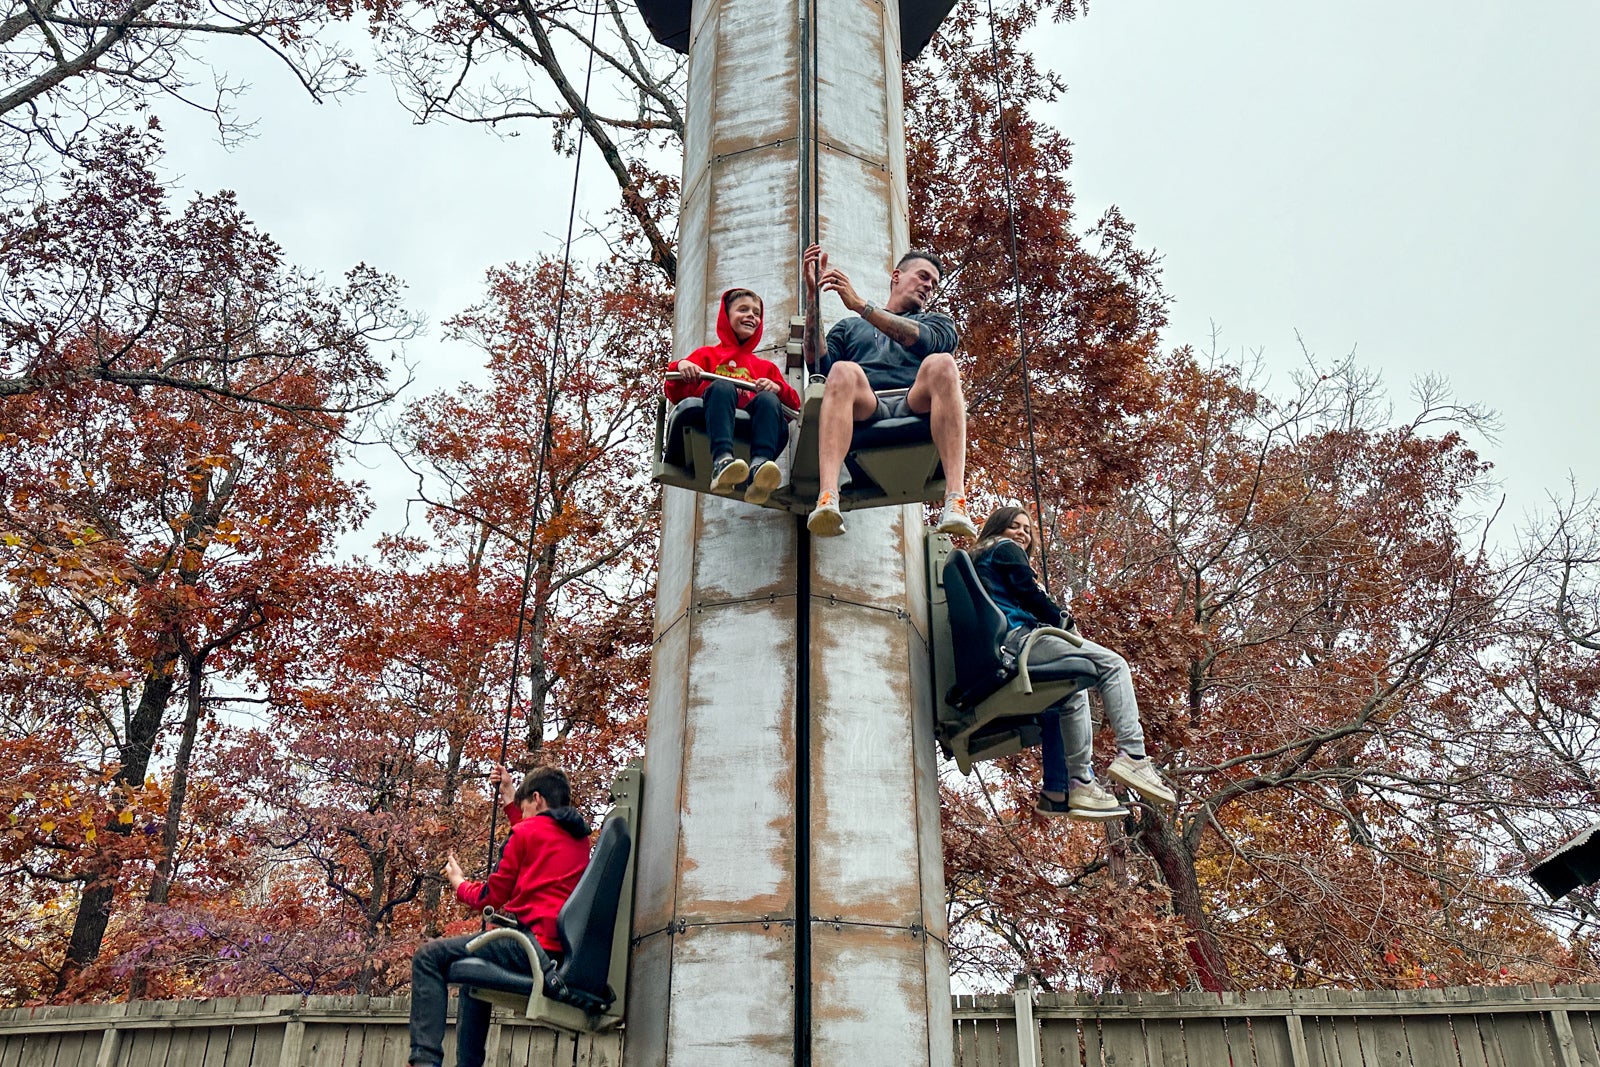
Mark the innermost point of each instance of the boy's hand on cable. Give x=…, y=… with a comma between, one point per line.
x=500, y=781
x=690, y=369
x=766, y=385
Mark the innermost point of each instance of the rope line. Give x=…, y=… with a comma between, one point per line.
x=546, y=440
x=1016, y=292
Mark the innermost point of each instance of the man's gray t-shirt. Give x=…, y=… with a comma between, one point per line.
x=889, y=365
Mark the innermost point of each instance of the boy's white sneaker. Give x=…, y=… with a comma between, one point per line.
x=762, y=483
x=727, y=472
x=825, y=519
x=1141, y=776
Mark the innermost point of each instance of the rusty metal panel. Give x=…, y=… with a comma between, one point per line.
x=693, y=222
x=757, y=92
x=700, y=106
x=735, y=986
x=869, y=996
x=868, y=564
x=745, y=552
x=699, y=13
x=656, y=874
x=853, y=205
x=930, y=852
x=857, y=85
x=737, y=800
x=864, y=827
x=753, y=229
x=936, y=965
x=649, y=1003
x=675, y=557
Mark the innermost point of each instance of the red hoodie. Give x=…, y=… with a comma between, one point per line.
x=542, y=862
x=733, y=360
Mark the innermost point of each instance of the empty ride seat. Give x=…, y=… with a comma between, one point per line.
x=999, y=686
x=586, y=926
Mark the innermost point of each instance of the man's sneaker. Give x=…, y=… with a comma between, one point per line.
x=1141, y=776
x=727, y=472
x=825, y=519
x=953, y=520
x=762, y=483
x=1090, y=800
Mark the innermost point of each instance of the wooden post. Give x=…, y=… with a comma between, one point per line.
x=1027, y=1035
x=110, y=1040
x=294, y=1036
x=1566, y=1047
x=1297, y=1038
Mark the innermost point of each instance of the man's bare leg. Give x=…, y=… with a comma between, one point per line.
x=847, y=399
x=937, y=393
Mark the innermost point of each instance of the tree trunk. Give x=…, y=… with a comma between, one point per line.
x=161, y=885
x=433, y=891
x=1176, y=860
x=95, y=904
x=540, y=682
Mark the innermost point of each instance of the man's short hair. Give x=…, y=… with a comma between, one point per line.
x=918, y=253
x=734, y=294
x=549, y=782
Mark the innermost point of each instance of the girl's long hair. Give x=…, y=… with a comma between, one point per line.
x=994, y=529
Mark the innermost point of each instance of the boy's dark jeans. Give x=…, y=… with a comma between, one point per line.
x=430, y=993
x=766, y=422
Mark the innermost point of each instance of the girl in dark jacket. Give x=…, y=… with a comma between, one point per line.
x=1001, y=559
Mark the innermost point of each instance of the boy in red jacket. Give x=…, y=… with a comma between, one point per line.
x=738, y=333
x=543, y=859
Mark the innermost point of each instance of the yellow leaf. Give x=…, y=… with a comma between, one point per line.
x=88, y=835
x=13, y=540
x=125, y=818
x=48, y=825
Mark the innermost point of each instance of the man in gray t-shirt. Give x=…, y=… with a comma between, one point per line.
x=897, y=346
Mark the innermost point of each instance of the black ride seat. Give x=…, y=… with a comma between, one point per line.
x=891, y=461
x=998, y=690
x=690, y=416
x=574, y=993
x=586, y=924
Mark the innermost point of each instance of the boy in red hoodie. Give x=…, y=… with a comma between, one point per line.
x=738, y=333
x=543, y=859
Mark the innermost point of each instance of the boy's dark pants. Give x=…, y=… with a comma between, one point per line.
x=430, y=996
x=766, y=422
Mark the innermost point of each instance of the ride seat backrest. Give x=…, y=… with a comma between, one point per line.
x=977, y=628
x=588, y=920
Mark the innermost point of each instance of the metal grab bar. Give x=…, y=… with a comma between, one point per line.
x=738, y=383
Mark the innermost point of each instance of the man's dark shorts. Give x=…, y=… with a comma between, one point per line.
x=893, y=407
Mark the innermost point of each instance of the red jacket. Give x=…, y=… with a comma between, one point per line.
x=542, y=862
x=734, y=360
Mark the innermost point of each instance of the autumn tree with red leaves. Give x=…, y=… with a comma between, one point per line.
x=169, y=486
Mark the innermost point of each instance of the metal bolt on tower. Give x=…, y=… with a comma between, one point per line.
x=790, y=898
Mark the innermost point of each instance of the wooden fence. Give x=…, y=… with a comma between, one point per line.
x=267, y=1032
x=1512, y=1026
x=1521, y=1026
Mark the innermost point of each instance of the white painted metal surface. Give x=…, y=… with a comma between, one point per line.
x=715, y=976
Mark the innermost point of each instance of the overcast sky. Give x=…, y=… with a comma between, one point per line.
x=1412, y=181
